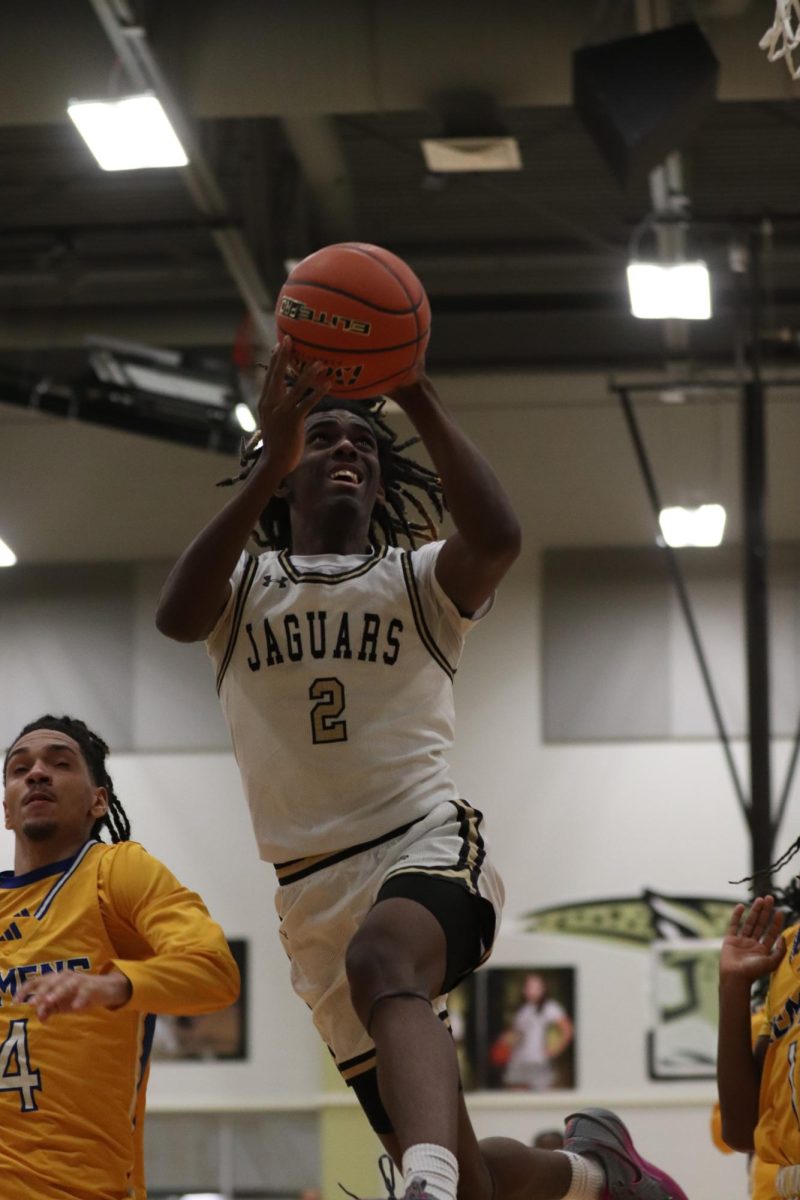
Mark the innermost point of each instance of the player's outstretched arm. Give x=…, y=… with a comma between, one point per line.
x=752, y=947
x=198, y=586
x=487, y=539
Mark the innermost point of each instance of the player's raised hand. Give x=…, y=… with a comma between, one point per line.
x=74, y=991
x=415, y=387
x=290, y=392
x=753, y=944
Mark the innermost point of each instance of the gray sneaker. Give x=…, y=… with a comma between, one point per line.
x=601, y=1134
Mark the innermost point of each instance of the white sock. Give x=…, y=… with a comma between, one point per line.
x=588, y=1177
x=433, y=1169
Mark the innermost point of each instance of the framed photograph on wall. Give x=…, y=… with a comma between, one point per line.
x=515, y=1028
x=210, y=1037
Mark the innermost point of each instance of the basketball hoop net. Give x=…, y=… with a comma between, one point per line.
x=783, y=36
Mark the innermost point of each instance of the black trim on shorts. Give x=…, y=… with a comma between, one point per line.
x=298, y=868
x=467, y=920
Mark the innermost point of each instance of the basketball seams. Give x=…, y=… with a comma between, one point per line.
x=361, y=249
x=324, y=287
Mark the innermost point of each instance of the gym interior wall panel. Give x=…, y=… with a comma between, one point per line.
x=272, y=1153
x=66, y=646
x=618, y=660
x=605, y=645
x=717, y=604
x=175, y=704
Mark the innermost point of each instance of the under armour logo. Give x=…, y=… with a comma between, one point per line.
x=282, y=582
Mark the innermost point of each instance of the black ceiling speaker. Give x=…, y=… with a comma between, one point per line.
x=641, y=97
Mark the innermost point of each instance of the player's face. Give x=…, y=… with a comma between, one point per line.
x=339, y=466
x=49, y=793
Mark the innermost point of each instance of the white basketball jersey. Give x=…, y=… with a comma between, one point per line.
x=335, y=674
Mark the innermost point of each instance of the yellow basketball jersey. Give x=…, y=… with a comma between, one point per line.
x=72, y=1088
x=777, y=1136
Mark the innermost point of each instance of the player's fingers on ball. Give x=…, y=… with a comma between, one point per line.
x=276, y=368
x=318, y=385
x=308, y=374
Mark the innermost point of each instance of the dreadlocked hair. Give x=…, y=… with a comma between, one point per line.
x=786, y=898
x=94, y=751
x=391, y=520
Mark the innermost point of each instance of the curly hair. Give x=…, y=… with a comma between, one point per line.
x=390, y=520
x=94, y=751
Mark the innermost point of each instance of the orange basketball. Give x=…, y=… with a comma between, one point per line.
x=359, y=309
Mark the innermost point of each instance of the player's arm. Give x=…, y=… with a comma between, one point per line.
x=487, y=539
x=173, y=957
x=752, y=947
x=198, y=586
x=173, y=954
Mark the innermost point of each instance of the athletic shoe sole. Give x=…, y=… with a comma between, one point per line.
x=598, y=1132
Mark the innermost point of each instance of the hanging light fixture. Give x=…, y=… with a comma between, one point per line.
x=667, y=283
x=128, y=134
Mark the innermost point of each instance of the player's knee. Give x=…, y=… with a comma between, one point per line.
x=372, y=968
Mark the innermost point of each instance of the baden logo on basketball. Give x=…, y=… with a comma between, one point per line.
x=296, y=310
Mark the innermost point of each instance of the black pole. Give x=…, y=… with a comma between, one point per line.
x=682, y=593
x=755, y=594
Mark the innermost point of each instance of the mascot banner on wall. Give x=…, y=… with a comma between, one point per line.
x=682, y=935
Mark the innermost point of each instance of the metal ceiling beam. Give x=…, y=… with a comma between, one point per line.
x=237, y=59
x=130, y=43
x=316, y=147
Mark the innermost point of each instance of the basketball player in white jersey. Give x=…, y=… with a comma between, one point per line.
x=334, y=654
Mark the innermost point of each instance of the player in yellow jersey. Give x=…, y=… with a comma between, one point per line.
x=761, y=1174
x=759, y=1089
x=95, y=938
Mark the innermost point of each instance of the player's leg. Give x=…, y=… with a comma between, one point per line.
x=396, y=965
x=399, y=950
x=599, y=1162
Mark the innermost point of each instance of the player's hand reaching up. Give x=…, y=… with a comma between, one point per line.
x=753, y=944
x=74, y=991
x=284, y=405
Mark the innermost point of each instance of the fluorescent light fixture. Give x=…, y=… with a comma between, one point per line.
x=7, y=555
x=701, y=526
x=128, y=134
x=245, y=417
x=453, y=154
x=682, y=290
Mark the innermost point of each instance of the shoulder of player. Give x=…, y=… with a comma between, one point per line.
x=427, y=549
x=791, y=936
x=126, y=859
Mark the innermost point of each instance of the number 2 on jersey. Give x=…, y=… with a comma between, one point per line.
x=14, y=1054
x=325, y=725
